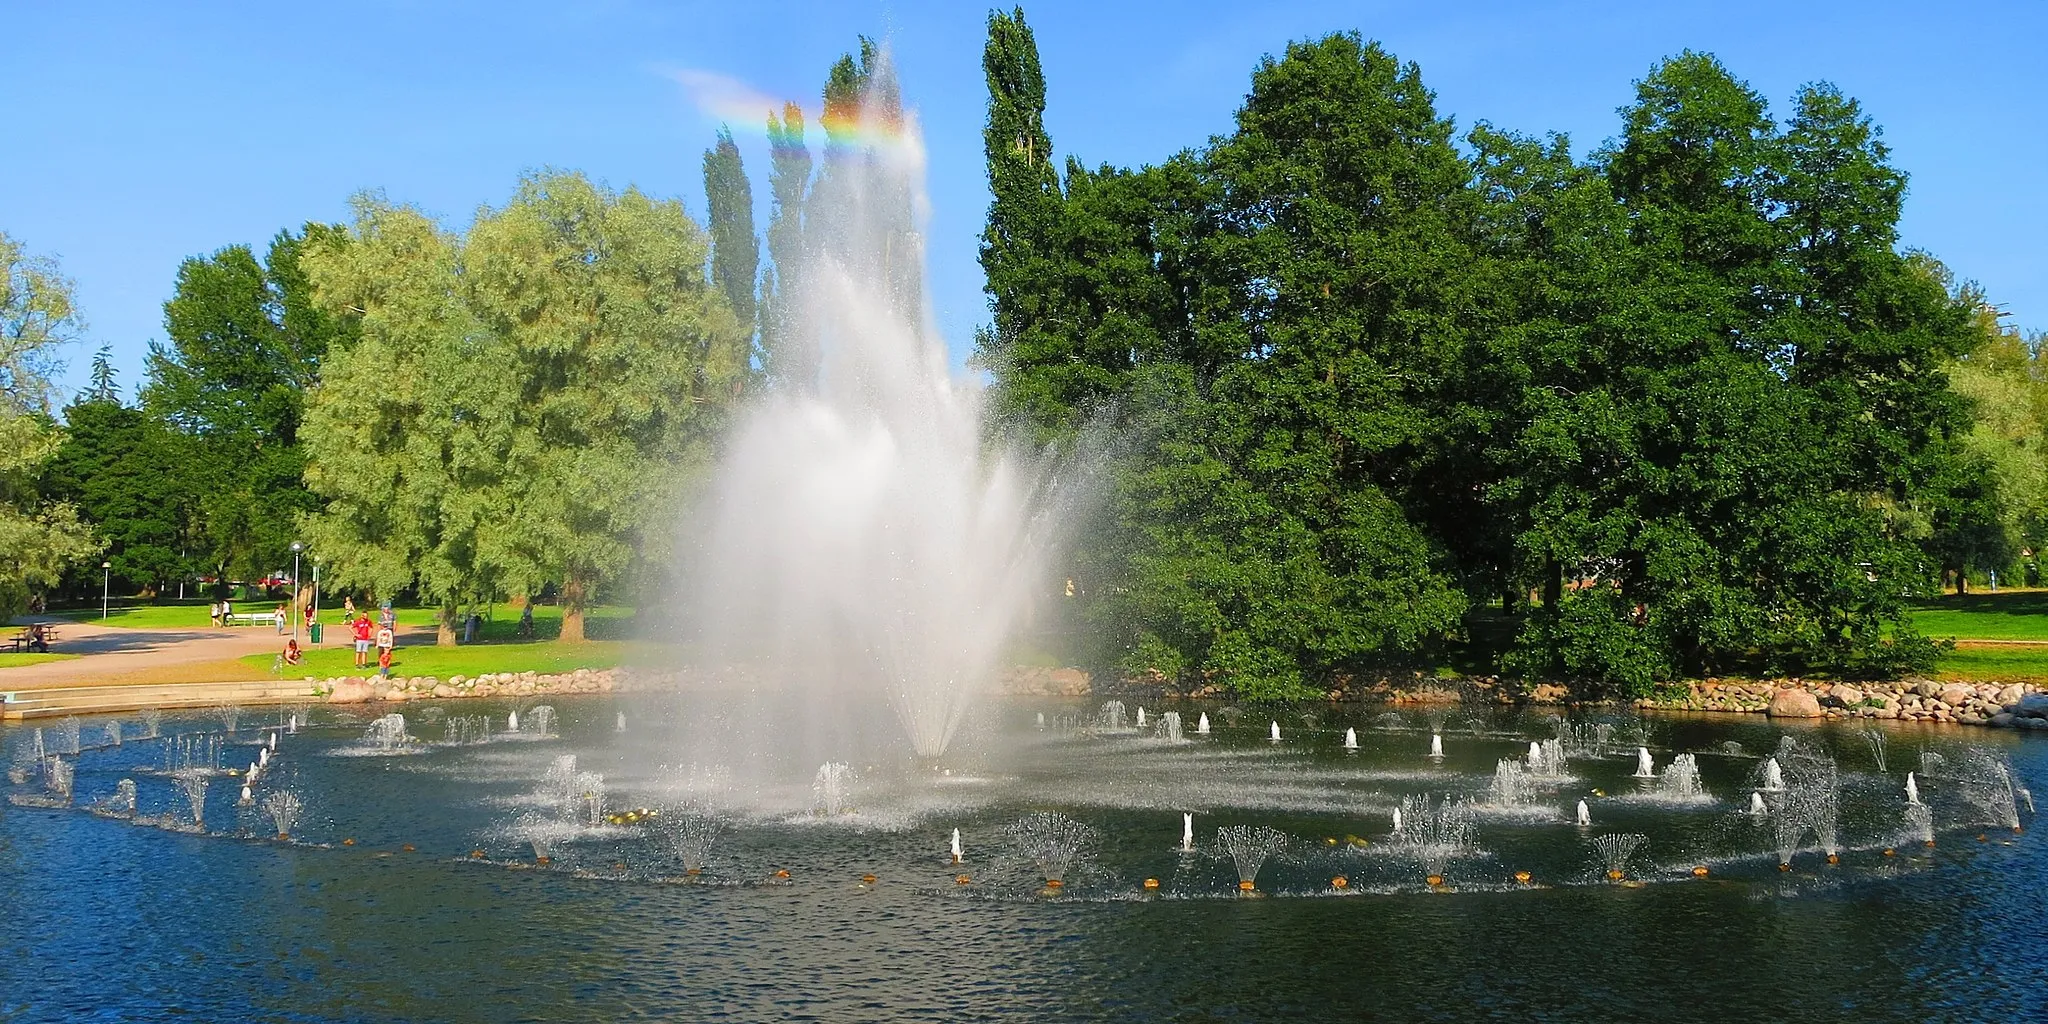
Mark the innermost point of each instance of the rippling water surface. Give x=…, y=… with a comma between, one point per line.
x=107, y=919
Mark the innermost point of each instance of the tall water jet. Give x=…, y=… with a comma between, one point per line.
x=1351, y=739
x=959, y=855
x=1547, y=759
x=1645, y=767
x=1111, y=717
x=1187, y=833
x=1436, y=746
x=1249, y=849
x=866, y=537
x=1202, y=724
x=1274, y=734
x=1585, y=816
x=1912, y=789
x=1141, y=716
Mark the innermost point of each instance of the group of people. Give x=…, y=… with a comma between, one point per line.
x=381, y=635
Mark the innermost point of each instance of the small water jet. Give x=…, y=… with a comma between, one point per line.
x=69, y=735
x=1434, y=833
x=192, y=783
x=1052, y=842
x=1351, y=739
x=152, y=723
x=1613, y=852
x=387, y=734
x=1585, y=817
x=1436, y=746
x=1757, y=807
x=120, y=803
x=1248, y=849
x=59, y=776
x=1202, y=724
x=1169, y=727
x=1916, y=824
x=1912, y=789
x=1187, y=833
x=283, y=808
x=541, y=722
x=1548, y=760
x=691, y=832
x=620, y=725
x=1645, y=767
x=1875, y=740
x=831, y=786
x=1774, y=776
x=512, y=721
x=1510, y=784
x=1141, y=716
x=1681, y=781
x=1111, y=717
x=466, y=730
x=1397, y=821
x=230, y=716
x=1274, y=733
x=959, y=855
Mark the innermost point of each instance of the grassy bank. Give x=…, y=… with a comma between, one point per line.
x=9, y=659
x=2001, y=636
x=475, y=659
x=501, y=621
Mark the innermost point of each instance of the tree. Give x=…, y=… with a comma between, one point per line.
x=39, y=537
x=111, y=468
x=735, y=252
x=784, y=359
x=624, y=357
x=245, y=343
x=411, y=434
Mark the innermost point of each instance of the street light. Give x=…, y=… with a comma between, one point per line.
x=106, y=584
x=316, y=588
x=297, y=613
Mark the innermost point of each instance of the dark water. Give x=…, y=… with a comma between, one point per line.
x=106, y=920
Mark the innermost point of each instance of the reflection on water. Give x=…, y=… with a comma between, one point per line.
x=409, y=890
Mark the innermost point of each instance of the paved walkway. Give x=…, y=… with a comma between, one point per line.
x=114, y=655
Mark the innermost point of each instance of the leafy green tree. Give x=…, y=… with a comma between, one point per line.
x=624, y=358
x=735, y=252
x=39, y=537
x=411, y=434
x=245, y=343
x=111, y=468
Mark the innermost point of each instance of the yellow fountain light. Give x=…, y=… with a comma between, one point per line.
x=1150, y=883
x=1522, y=877
x=1340, y=882
x=1699, y=871
x=1435, y=879
x=867, y=879
x=1615, y=876
x=961, y=879
x=1245, y=885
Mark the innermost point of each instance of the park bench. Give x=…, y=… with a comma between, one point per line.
x=253, y=619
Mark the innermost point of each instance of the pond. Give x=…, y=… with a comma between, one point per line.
x=1226, y=876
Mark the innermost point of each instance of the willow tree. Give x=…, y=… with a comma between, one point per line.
x=410, y=435
x=623, y=357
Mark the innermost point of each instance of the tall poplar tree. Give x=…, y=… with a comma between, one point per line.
x=735, y=251
x=784, y=358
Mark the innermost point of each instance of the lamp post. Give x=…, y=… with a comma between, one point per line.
x=297, y=613
x=106, y=585
x=316, y=588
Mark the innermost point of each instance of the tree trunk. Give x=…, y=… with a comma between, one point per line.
x=444, y=625
x=1553, y=585
x=574, y=592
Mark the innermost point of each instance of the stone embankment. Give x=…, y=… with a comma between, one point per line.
x=367, y=689
x=2007, y=705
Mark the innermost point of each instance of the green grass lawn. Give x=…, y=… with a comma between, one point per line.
x=2006, y=615
x=501, y=621
x=442, y=662
x=9, y=659
x=2001, y=664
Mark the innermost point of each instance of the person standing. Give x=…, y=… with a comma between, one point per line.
x=348, y=608
x=213, y=613
x=361, y=629
x=283, y=615
x=384, y=662
x=386, y=639
x=387, y=618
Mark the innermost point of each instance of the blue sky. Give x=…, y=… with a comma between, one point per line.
x=143, y=133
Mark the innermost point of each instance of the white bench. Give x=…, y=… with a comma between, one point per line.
x=253, y=619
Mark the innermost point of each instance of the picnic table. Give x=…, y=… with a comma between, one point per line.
x=33, y=639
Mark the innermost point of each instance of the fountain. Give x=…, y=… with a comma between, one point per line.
x=830, y=785
x=1681, y=781
x=466, y=730
x=1053, y=843
x=1436, y=746
x=512, y=721
x=1984, y=787
x=1757, y=807
x=152, y=723
x=1614, y=851
x=1351, y=739
x=541, y=722
x=868, y=460
x=1645, y=767
x=1875, y=740
x=1274, y=732
x=387, y=735
x=1202, y=724
x=1547, y=760
x=1111, y=717
x=230, y=715
x=59, y=776
x=1433, y=833
x=283, y=808
x=1585, y=816
x=70, y=733
x=1917, y=824
x=193, y=782
x=1912, y=789
x=959, y=855
x=1774, y=776
x=120, y=803
x=1248, y=849
x=1141, y=716
x=691, y=832
x=1510, y=784
x=1169, y=726
x=1187, y=833
x=1397, y=820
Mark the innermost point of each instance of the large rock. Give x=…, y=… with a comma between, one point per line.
x=1793, y=702
x=1071, y=682
x=1927, y=688
x=1956, y=694
x=352, y=690
x=2011, y=694
x=2033, y=705
x=1844, y=696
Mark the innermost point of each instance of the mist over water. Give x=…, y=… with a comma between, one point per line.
x=868, y=542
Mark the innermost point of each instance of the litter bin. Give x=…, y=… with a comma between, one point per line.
x=313, y=632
